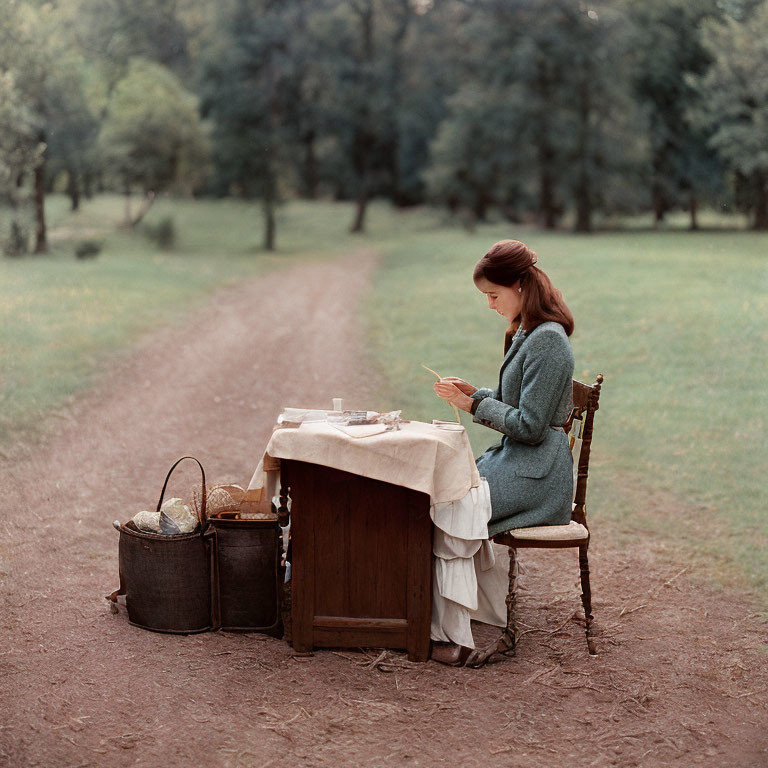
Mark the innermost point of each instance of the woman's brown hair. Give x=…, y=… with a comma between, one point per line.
x=509, y=261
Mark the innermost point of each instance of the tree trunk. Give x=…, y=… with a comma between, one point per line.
x=17, y=243
x=88, y=180
x=127, y=222
x=73, y=190
x=306, y=119
x=583, y=207
x=364, y=139
x=41, y=237
x=761, y=201
x=358, y=225
x=584, y=184
x=146, y=204
x=269, y=224
x=693, y=205
x=310, y=166
x=547, y=208
x=270, y=193
x=480, y=207
x=395, y=87
x=584, y=212
x=659, y=175
x=659, y=207
x=545, y=152
x=131, y=220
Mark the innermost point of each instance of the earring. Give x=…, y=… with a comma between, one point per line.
x=519, y=290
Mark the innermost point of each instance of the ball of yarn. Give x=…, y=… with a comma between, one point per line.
x=224, y=498
x=147, y=521
x=181, y=514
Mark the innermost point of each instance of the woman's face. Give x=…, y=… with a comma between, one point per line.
x=506, y=300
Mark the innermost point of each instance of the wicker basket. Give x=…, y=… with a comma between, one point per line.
x=167, y=580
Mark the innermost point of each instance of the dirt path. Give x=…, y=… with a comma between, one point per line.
x=681, y=678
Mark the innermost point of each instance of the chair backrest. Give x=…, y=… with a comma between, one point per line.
x=585, y=403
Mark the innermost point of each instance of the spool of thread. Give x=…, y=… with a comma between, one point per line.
x=338, y=404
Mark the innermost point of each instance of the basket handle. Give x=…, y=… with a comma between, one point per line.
x=202, y=515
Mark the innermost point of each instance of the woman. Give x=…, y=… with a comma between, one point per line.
x=529, y=472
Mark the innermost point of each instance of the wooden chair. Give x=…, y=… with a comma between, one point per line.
x=575, y=534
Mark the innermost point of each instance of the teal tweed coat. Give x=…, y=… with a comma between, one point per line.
x=530, y=472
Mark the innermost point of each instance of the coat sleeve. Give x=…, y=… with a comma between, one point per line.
x=547, y=369
x=479, y=395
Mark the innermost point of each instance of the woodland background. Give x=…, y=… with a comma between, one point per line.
x=557, y=112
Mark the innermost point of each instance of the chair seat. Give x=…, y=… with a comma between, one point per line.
x=572, y=532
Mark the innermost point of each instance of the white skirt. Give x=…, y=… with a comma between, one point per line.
x=470, y=573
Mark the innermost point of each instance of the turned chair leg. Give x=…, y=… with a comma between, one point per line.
x=505, y=645
x=509, y=630
x=586, y=596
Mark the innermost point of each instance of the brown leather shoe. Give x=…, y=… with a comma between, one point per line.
x=450, y=654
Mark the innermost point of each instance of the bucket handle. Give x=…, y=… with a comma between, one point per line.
x=202, y=515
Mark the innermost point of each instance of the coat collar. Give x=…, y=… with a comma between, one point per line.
x=512, y=351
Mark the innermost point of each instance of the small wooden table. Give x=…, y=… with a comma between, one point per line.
x=361, y=561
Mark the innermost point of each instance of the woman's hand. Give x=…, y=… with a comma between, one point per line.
x=460, y=384
x=449, y=391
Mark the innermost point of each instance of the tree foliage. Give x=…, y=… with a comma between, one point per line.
x=152, y=138
x=552, y=111
x=245, y=79
x=20, y=153
x=733, y=107
x=669, y=50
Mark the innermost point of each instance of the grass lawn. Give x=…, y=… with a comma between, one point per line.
x=678, y=324
x=676, y=321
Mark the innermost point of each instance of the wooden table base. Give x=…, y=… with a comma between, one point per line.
x=361, y=561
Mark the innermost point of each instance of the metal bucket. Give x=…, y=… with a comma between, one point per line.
x=248, y=575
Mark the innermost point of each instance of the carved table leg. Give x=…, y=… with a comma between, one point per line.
x=283, y=519
x=282, y=512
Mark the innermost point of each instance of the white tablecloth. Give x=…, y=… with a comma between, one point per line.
x=420, y=456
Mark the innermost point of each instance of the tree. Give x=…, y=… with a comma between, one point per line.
x=20, y=153
x=112, y=32
x=362, y=108
x=152, y=138
x=734, y=105
x=36, y=45
x=24, y=63
x=535, y=69
x=668, y=49
x=371, y=101
x=242, y=84
x=473, y=161
x=24, y=57
x=601, y=141
x=72, y=127
x=423, y=77
x=548, y=121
